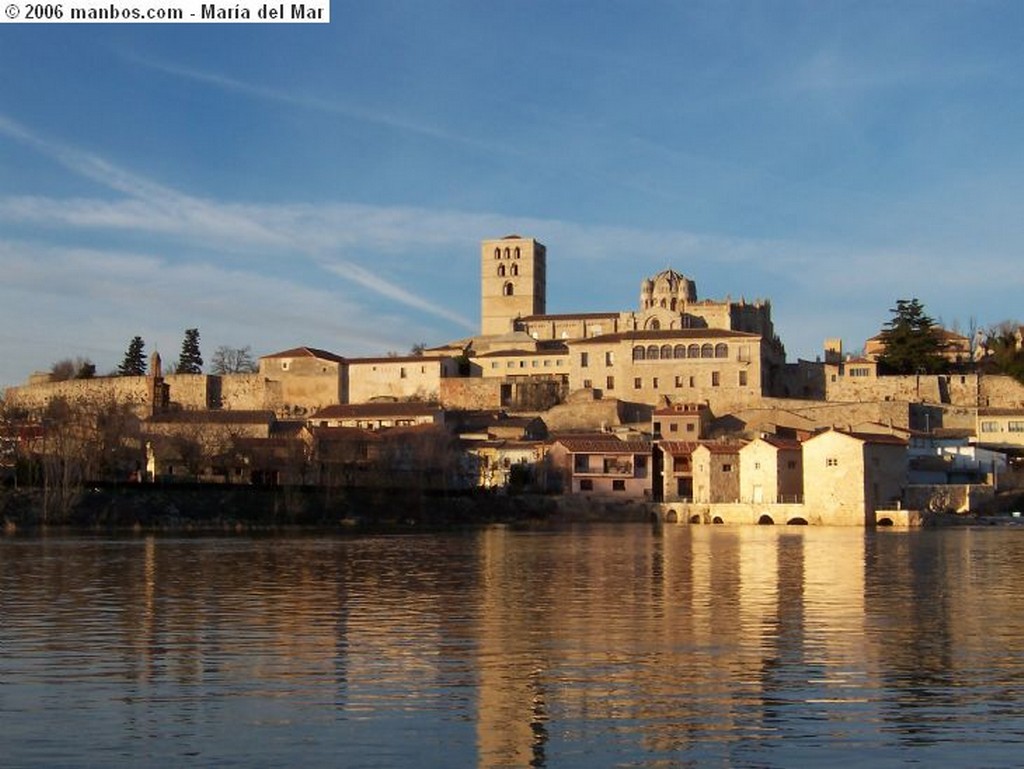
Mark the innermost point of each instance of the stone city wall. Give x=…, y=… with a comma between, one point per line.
x=131, y=390
x=471, y=394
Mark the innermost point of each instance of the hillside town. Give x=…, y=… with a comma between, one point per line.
x=684, y=406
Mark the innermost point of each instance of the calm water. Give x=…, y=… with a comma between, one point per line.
x=597, y=646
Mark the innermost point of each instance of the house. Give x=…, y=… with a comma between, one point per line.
x=673, y=471
x=603, y=464
x=1001, y=428
x=680, y=421
x=716, y=471
x=301, y=380
x=379, y=415
x=771, y=471
x=849, y=476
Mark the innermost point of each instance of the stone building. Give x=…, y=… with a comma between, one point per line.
x=771, y=471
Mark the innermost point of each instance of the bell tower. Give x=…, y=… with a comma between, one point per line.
x=513, y=282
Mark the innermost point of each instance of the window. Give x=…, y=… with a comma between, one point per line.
x=514, y=270
x=584, y=359
x=508, y=290
x=581, y=463
x=637, y=383
x=715, y=379
x=679, y=351
x=673, y=428
x=586, y=484
x=689, y=427
x=1015, y=427
x=517, y=252
x=618, y=485
x=679, y=380
x=791, y=464
x=693, y=351
x=587, y=384
x=641, y=462
x=401, y=372
x=610, y=383
x=743, y=379
x=707, y=350
x=638, y=353
x=501, y=271
x=691, y=382
x=609, y=359
x=652, y=352
x=990, y=427
x=721, y=350
x=666, y=352
x=497, y=253
x=757, y=465
x=860, y=372
x=494, y=364
x=831, y=462
x=654, y=383
x=726, y=468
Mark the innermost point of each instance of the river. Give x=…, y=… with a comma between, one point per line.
x=588, y=646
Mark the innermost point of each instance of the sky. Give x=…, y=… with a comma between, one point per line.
x=329, y=185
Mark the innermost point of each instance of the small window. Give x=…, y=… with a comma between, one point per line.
x=586, y=484
x=637, y=383
x=609, y=359
x=584, y=359
x=587, y=384
x=610, y=383
x=673, y=427
x=618, y=485
x=743, y=379
x=715, y=379
x=654, y=383
x=831, y=462
x=679, y=380
x=726, y=468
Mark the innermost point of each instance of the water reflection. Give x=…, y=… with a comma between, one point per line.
x=596, y=646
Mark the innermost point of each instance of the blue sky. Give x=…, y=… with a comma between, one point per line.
x=328, y=185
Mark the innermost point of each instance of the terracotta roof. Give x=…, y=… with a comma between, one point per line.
x=306, y=352
x=881, y=438
x=1000, y=412
x=689, y=409
x=385, y=409
x=590, y=445
x=213, y=416
x=722, y=448
x=678, y=448
x=786, y=444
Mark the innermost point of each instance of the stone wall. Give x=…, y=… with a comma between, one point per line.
x=1001, y=392
x=192, y=391
x=470, y=394
x=243, y=392
x=131, y=390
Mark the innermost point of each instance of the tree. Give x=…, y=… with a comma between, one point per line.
x=418, y=349
x=912, y=342
x=134, y=363
x=233, y=360
x=190, y=361
x=1003, y=354
x=77, y=368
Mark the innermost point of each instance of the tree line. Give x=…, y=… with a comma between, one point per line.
x=225, y=360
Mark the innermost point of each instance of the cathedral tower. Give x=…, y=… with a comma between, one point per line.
x=513, y=280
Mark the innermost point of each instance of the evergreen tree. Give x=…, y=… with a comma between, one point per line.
x=134, y=363
x=913, y=344
x=190, y=361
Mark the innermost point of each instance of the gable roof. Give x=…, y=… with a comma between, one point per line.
x=597, y=445
x=306, y=352
x=383, y=409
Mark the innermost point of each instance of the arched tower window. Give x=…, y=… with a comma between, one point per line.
x=508, y=290
x=501, y=271
x=517, y=252
x=515, y=268
x=497, y=253
x=507, y=253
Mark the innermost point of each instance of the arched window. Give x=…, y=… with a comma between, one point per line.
x=679, y=351
x=707, y=350
x=666, y=351
x=497, y=253
x=652, y=352
x=508, y=290
x=721, y=350
x=501, y=271
x=507, y=254
x=693, y=351
x=517, y=252
x=664, y=303
x=515, y=269
x=654, y=324
x=672, y=304
x=638, y=353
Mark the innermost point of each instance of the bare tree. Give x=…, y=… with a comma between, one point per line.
x=233, y=360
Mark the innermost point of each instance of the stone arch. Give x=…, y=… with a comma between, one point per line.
x=671, y=516
x=707, y=350
x=639, y=353
x=717, y=519
x=508, y=289
x=798, y=521
x=679, y=351
x=652, y=352
x=887, y=521
x=693, y=351
x=721, y=350
x=765, y=520
x=695, y=518
x=666, y=351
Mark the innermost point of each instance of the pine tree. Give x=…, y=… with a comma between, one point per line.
x=134, y=363
x=190, y=361
x=913, y=343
